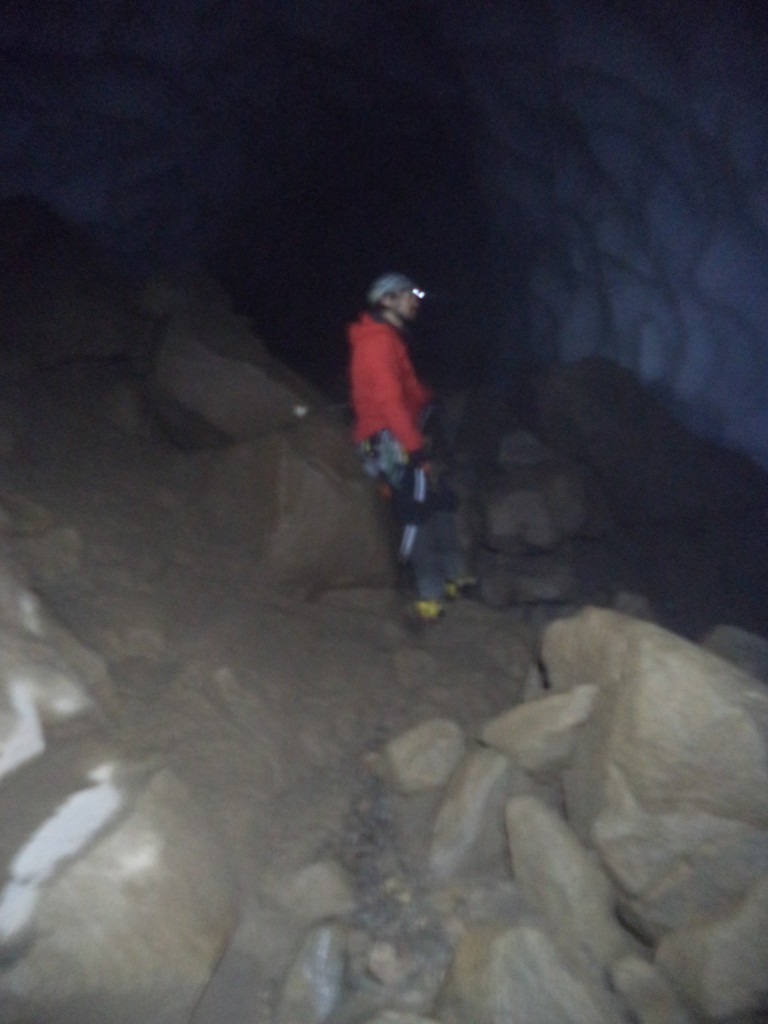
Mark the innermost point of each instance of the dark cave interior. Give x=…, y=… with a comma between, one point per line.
x=202, y=625
x=564, y=180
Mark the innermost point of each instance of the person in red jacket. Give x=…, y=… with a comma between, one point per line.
x=390, y=403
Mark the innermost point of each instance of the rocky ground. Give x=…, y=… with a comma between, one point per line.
x=265, y=704
x=271, y=706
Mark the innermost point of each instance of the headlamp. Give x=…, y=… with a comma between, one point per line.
x=418, y=293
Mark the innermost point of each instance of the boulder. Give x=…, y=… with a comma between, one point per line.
x=115, y=900
x=564, y=883
x=425, y=756
x=214, y=382
x=539, y=506
x=318, y=891
x=297, y=502
x=518, y=975
x=540, y=735
x=669, y=777
x=313, y=985
x=514, y=515
x=468, y=829
x=130, y=929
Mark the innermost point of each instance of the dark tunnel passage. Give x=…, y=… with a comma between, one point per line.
x=401, y=190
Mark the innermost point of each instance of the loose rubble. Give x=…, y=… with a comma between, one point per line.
x=643, y=894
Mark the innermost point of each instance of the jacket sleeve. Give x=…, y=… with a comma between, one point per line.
x=398, y=393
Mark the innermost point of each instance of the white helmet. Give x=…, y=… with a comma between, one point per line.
x=391, y=284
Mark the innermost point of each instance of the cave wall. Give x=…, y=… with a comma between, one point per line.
x=594, y=174
x=635, y=147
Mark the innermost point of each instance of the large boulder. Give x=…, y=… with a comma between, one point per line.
x=650, y=466
x=537, y=500
x=669, y=777
x=129, y=906
x=214, y=382
x=297, y=501
x=115, y=898
x=564, y=883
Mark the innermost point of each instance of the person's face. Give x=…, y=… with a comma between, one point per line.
x=405, y=305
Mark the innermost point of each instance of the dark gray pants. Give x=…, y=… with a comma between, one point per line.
x=436, y=555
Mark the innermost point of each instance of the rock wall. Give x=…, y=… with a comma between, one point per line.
x=632, y=147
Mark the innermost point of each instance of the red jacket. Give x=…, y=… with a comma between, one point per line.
x=386, y=393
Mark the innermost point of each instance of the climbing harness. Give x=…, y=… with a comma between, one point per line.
x=384, y=459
